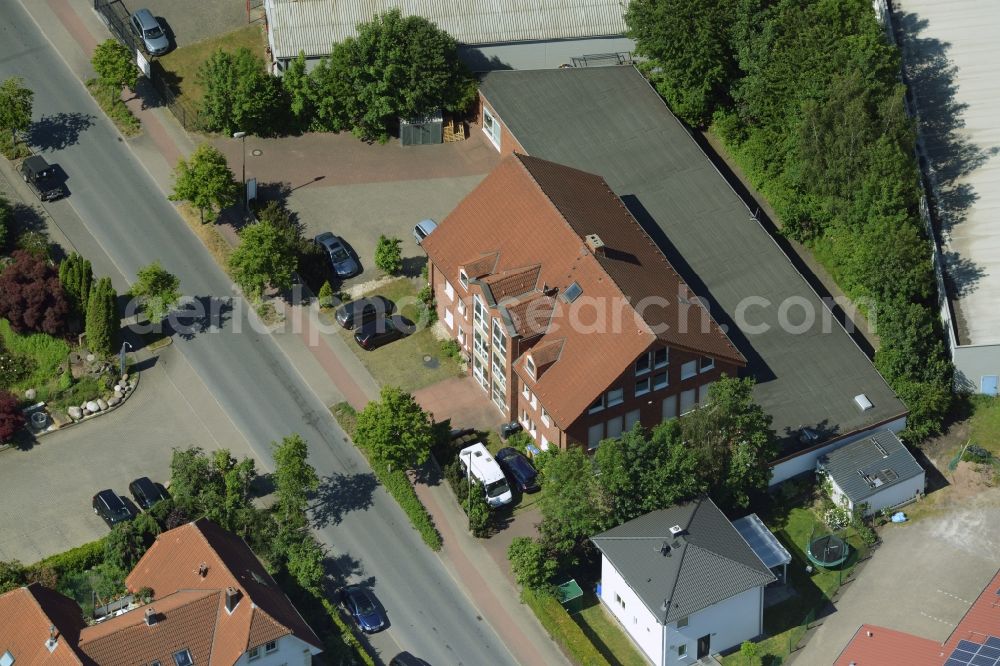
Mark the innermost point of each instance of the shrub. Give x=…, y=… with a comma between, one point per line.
x=76, y=560
x=452, y=350
x=35, y=243
x=12, y=575
x=530, y=564
x=115, y=64
x=326, y=297
x=31, y=297
x=110, y=100
x=6, y=221
x=11, y=417
x=562, y=628
x=46, y=352
x=977, y=454
x=14, y=368
x=478, y=510
x=389, y=255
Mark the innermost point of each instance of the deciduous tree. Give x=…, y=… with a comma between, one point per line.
x=240, y=95
x=397, y=67
x=395, y=429
x=294, y=480
x=15, y=106
x=266, y=257
x=573, y=504
x=115, y=65
x=31, y=296
x=157, y=290
x=205, y=181
x=531, y=565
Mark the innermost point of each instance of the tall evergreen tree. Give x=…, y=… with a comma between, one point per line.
x=102, y=318
x=77, y=278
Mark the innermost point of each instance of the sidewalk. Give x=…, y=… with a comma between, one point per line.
x=328, y=367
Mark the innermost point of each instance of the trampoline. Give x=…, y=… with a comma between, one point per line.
x=828, y=551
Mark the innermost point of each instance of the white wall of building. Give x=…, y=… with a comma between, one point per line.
x=807, y=461
x=540, y=55
x=634, y=617
x=728, y=622
x=291, y=650
x=891, y=496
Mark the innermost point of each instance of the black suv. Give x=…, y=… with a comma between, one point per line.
x=145, y=493
x=364, y=311
x=109, y=506
x=518, y=469
x=41, y=177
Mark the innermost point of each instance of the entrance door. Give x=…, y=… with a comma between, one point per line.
x=704, y=646
x=988, y=384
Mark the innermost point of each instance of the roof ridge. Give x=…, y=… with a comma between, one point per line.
x=604, y=271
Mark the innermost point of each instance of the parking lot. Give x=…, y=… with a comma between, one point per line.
x=922, y=579
x=190, y=21
x=48, y=488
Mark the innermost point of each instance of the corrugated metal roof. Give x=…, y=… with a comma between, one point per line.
x=881, y=460
x=313, y=26
x=677, y=576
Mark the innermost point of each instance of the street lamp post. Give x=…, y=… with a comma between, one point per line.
x=121, y=359
x=242, y=136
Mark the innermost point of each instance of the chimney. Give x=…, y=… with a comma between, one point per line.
x=203, y=569
x=53, y=639
x=150, y=617
x=232, y=598
x=594, y=244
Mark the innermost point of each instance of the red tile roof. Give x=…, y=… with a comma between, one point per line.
x=263, y=613
x=981, y=620
x=28, y=615
x=538, y=214
x=510, y=284
x=184, y=620
x=878, y=646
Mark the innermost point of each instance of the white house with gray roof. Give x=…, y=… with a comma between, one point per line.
x=682, y=582
x=878, y=471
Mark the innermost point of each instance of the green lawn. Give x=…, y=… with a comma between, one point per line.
x=182, y=64
x=606, y=635
x=402, y=363
x=785, y=624
x=984, y=426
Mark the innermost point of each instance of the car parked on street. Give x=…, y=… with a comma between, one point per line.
x=146, y=493
x=423, y=230
x=109, y=506
x=364, y=311
x=518, y=469
x=42, y=178
x=377, y=333
x=147, y=28
x=360, y=605
x=343, y=264
x=407, y=659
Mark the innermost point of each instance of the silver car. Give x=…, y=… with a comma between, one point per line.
x=343, y=263
x=148, y=29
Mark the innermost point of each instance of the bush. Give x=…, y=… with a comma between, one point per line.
x=452, y=350
x=115, y=64
x=11, y=417
x=35, y=243
x=389, y=255
x=478, y=510
x=561, y=627
x=326, y=297
x=47, y=353
x=530, y=564
x=76, y=560
x=977, y=454
x=6, y=221
x=31, y=297
x=110, y=100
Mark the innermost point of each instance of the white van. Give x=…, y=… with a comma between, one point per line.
x=476, y=459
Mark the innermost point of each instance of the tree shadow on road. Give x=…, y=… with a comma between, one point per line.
x=199, y=314
x=339, y=494
x=59, y=131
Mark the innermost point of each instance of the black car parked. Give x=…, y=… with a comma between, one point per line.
x=42, y=178
x=377, y=333
x=145, y=493
x=109, y=506
x=518, y=469
x=364, y=311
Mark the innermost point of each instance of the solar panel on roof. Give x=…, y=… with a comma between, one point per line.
x=968, y=653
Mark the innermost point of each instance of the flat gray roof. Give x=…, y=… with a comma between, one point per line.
x=951, y=53
x=871, y=465
x=609, y=121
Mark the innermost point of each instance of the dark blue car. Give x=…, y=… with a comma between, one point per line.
x=361, y=606
x=518, y=470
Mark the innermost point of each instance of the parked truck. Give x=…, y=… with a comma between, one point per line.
x=42, y=178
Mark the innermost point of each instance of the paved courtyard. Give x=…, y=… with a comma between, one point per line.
x=47, y=489
x=922, y=579
x=190, y=21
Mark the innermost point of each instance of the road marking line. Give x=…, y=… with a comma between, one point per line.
x=949, y=594
x=937, y=619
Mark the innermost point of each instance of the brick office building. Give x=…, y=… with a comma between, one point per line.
x=575, y=322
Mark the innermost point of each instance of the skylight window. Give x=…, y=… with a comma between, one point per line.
x=183, y=658
x=572, y=292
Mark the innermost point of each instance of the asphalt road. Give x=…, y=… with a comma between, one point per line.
x=124, y=211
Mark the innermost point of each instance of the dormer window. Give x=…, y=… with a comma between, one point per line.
x=529, y=365
x=707, y=363
x=463, y=278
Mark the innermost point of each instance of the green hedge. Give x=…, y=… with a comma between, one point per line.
x=562, y=628
x=395, y=482
x=75, y=560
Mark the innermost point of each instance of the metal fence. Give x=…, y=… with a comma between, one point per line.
x=116, y=16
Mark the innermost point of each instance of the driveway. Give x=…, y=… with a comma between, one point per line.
x=190, y=21
x=922, y=579
x=48, y=488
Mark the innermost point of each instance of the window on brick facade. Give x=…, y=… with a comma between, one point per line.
x=661, y=357
x=615, y=427
x=643, y=364
x=529, y=365
x=597, y=405
x=463, y=278
x=491, y=126
x=449, y=291
x=641, y=386
x=660, y=381
x=631, y=419
x=688, y=401
x=545, y=418
x=595, y=434
x=670, y=407
x=703, y=393
x=689, y=369
x=707, y=363
x=616, y=396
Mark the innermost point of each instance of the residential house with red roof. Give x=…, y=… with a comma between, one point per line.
x=576, y=324
x=212, y=603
